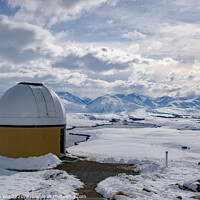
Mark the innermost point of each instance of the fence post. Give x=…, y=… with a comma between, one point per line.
x=166, y=159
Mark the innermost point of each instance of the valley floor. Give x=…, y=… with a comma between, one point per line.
x=146, y=147
x=142, y=143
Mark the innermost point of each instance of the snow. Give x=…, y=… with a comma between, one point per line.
x=161, y=117
x=84, y=120
x=146, y=147
x=111, y=104
x=162, y=181
x=47, y=184
x=72, y=107
x=188, y=121
x=136, y=145
x=191, y=185
x=129, y=103
x=31, y=163
x=147, y=168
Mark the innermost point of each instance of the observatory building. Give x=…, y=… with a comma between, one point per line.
x=32, y=122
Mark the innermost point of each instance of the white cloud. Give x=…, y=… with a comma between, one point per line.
x=134, y=35
x=186, y=5
x=49, y=12
x=161, y=57
x=110, y=22
x=21, y=42
x=179, y=41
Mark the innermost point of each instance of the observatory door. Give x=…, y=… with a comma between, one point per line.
x=62, y=141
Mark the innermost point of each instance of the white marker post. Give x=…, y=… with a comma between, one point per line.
x=166, y=159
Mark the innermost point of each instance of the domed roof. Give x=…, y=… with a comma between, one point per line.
x=31, y=104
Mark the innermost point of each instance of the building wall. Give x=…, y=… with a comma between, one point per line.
x=24, y=142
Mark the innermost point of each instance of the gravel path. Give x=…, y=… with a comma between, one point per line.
x=91, y=173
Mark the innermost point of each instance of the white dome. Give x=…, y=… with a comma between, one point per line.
x=31, y=104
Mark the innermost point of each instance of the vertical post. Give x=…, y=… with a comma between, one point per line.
x=166, y=159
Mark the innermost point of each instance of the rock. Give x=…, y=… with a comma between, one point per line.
x=184, y=147
x=148, y=190
x=114, y=120
x=189, y=188
x=179, y=197
x=119, y=193
x=180, y=186
x=19, y=197
x=198, y=187
x=195, y=197
x=194, y=187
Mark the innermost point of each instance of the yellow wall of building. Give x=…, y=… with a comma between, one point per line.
x=24, y=142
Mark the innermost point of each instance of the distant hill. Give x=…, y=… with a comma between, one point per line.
x=87, y=101
x=126, y=103
x=71, y=98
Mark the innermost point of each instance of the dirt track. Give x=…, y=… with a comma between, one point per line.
x=91, y=173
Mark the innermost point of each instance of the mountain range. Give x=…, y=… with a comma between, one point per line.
x=126, y=103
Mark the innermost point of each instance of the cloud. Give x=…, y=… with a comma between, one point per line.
x=49, y=12
x=179, y=41
x=149, y=47
x=186, y=5
x=88, y=62
x=14, y=39
x=21, y=42
x=134, y=35
x=164, y=77
x=160, y=28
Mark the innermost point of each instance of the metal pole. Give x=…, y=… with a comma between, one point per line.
x=166, y=159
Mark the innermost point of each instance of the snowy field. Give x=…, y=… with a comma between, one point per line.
x=84, y=120
x=146, y=147
x=136, y=145
x=160, y=117
x=122, y=142
x=42, y=184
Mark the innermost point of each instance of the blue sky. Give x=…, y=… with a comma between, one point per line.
x=91, y=48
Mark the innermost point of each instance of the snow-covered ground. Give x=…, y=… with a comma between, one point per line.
x=46, y=184
x=146, y=147
x=143, y=146
x=162, y=182
x=139, y=145
x=164, y=117
x=31, y=163
x=84, y=120
x=160, y=117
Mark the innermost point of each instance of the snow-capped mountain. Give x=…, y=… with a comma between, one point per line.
x=109, y=104
x=71, y=98
x=72, y=107
x=113, y=104
x=127, y=103
x=72, y=103
x=164, y=101
x=87, y=101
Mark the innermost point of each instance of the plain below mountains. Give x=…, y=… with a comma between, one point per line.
x=127, y=103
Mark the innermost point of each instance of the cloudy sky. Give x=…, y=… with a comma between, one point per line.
x=91, y=48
